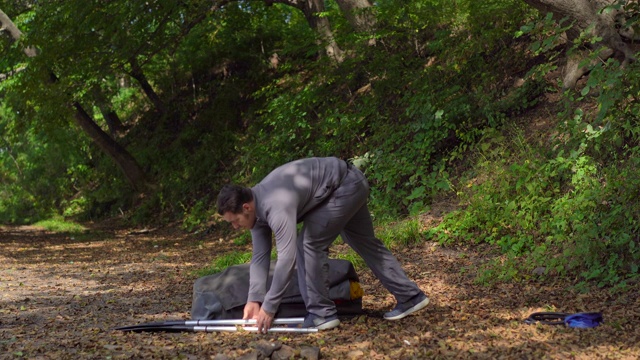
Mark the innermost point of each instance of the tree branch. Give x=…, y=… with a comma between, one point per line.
x=14, y=32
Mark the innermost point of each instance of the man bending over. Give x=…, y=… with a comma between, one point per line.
x=329, y=196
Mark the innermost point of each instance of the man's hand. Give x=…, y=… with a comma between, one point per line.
x=264, y=321
x=251, y=310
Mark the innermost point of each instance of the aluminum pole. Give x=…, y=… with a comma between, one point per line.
x=253, y=329
x=281, y=321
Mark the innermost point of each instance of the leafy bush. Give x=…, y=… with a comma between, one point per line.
x=571, y=211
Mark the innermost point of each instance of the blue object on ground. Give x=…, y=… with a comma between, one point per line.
x=583, y=320
x=578, y=320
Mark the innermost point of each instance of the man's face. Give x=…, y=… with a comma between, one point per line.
x=244, y=219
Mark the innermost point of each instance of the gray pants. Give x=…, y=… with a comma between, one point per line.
x=344, y=213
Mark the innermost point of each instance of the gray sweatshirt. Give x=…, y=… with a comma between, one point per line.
x=281, y=200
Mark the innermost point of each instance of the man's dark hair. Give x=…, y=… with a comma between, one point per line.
x=231, y=198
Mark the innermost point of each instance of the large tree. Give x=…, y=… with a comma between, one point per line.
x=125, y=161
x=603, y=19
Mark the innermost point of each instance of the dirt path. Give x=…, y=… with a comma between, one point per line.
x=61, y=296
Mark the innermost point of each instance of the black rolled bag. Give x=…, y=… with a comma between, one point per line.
x=224, y=295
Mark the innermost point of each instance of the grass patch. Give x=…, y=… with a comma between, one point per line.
x=351, y=256
x=243, y=239
x=60, y=225
x=401, y=234
x=222, y=262
x=394, y=235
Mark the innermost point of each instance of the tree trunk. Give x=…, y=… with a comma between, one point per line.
x=129, y=166
x=320, y=24
x=110, y=116
x=359, y=13
x=587, y=15
x=138, y=74
x=14, y=32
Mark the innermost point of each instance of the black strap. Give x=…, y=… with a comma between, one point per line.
x=546, y=318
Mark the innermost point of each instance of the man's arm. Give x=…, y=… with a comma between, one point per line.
x=260, y=262
x=283, y=225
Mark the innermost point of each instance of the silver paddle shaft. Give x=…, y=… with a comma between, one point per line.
x=253, y=329
x=282, y=321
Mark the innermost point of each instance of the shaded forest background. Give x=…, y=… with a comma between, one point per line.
x=143, y=109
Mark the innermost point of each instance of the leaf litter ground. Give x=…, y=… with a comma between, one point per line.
x=62, y=295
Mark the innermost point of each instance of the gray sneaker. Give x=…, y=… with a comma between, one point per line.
x=320, y=323
x=409, y=307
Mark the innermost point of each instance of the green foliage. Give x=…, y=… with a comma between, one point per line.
x=352, y=257
x=571, y=212
x=222, y=262
x=196, y=216
x=243, y=239
x=406, y=120
x=498, y=202
x=507, y=268
x=394, y=235
x=305, y=107
x=546, y=35
x=16, y=205
x=60, y=225
x=401, y=234
x=38, y=169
